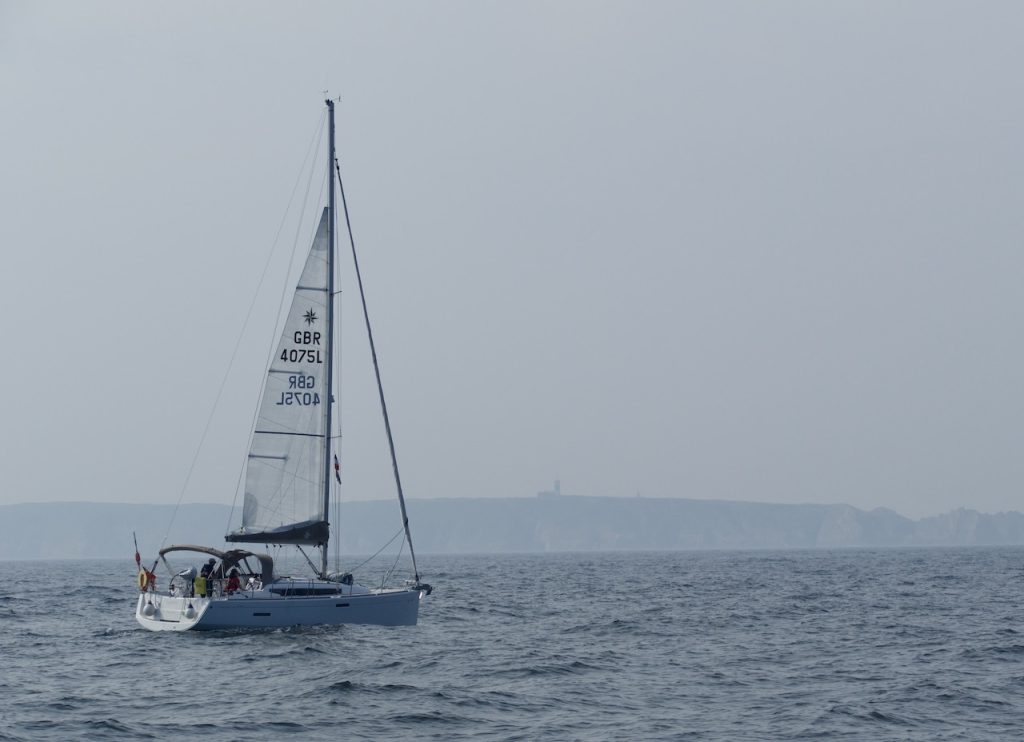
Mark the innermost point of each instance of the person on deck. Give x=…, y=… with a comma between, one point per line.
x=232, y=586
x=206, y=573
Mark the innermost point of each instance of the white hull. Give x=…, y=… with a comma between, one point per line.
x=264, y=609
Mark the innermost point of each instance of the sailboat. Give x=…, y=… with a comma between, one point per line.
x=288, y=478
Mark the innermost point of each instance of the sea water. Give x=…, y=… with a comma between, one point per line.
x=855, y=644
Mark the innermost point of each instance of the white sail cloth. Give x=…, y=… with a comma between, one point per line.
x=284, y=480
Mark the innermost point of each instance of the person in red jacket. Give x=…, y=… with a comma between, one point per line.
x=232, y=584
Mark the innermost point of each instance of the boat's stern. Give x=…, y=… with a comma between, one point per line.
x=158, y=612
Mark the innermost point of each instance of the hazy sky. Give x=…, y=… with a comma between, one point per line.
x=744, y=250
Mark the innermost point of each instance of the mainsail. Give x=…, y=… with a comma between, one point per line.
x=284, y=478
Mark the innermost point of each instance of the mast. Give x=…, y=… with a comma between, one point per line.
x=330, y=330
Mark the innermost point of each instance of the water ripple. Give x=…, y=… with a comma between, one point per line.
x=857, y=644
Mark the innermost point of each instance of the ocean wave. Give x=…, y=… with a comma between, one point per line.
x=752, y=648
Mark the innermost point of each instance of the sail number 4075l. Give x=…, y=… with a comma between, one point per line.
x=301, y=355
x=300, y=382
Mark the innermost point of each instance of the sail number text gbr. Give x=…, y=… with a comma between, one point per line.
x=302, y=387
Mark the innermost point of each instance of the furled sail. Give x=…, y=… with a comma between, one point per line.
x=284, y=485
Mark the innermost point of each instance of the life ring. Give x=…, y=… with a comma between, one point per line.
x=143, y=580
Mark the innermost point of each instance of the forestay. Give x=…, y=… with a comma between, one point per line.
x=284, y=480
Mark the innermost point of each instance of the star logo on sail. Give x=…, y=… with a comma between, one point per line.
x=310, y=317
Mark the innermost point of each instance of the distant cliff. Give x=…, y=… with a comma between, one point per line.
x=548, y=523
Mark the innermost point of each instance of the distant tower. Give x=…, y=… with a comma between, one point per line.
x=554, y=492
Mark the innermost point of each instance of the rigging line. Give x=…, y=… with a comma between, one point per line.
x=377, y=553
x=337, y=525
x=314, y=144
x=336, y=399
x=231, y=361
x=376, y=371
x=387, y=575
x=308, y=561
